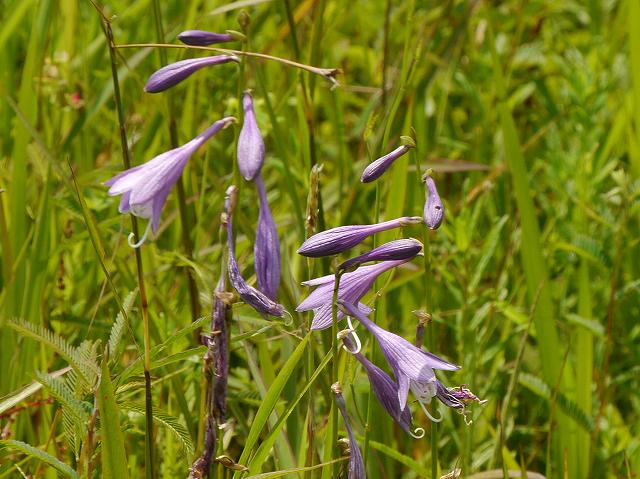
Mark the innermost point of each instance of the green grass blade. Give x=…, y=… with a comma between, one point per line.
x=114, y=457
x=270, y=400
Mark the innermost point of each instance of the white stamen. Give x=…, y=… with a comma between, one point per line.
x=355, y=337
x=132, y=237
x=428, y=414
x=417, y=433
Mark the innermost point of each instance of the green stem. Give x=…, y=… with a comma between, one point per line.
x=149, y=464
x=327, y=73
x=182, y=201
x=335, y=363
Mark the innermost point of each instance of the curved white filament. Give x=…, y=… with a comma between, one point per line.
x=428, y=414
x=417, y=433
x=132, y=237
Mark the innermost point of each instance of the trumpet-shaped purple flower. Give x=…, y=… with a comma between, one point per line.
x=433, y=207
x=145, y=188
x=376, y=168
x=254, y=298
x=250, y=142
x=393, y=250
x=412, y=367
x=174, y=73
x=202, y=38
x=342, y=238
x=356, y=464
x=386, y=391
x=266, y=249
x=353, y=286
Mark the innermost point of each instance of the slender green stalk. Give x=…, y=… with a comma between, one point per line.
x=328, y=73
x=149, y=443
x=182, y=199
x=335, y=365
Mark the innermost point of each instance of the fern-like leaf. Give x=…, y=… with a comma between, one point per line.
x=570, y=408
x=79, y=410
x=41, y=456
x=170, y=422
x=118, y=326
x=77, y=359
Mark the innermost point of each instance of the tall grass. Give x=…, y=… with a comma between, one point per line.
x=528, y=115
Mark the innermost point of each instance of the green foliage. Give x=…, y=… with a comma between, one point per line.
x=529, y=115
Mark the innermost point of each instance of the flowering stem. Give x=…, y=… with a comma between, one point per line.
x=427, y=306
x=149, y=466
x=182, y=202
x=335, y=363
x=328, y=73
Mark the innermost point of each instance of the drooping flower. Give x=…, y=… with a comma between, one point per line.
x=202, y=38
x=456, y=398
x=385, y=390
x=174, y=73
x=353, y=286
x=254, y=298
x=144, y=188
x=266, y=249
x=393, y=250
x=433, y=207
x=342, y=238
x=250, y=142
x=412, y=367
x=219, y=349
x=376, y=168
x=356, y=464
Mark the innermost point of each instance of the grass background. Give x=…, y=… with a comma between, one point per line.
x=533, y=279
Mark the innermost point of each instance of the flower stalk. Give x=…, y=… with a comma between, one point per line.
x=327, y=73
x=126, y=159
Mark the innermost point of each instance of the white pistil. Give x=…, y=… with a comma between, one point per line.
x=132, y=237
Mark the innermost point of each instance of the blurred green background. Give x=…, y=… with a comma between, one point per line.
x=529, y=113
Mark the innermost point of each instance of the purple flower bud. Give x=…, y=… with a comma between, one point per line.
x=433, y=207
x=353, y=286
x=254, y=298
x=376, y=168
x=145, y=188
x=393, y=250
x=202, y=38
x=386, y=391
x=266, y=249
x=174, y=73
x=250, y=143
x=342, y=238
x=356, y=464
x=412, y=367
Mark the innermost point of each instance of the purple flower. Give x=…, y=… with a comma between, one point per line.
x=412, y=367
x=203, y=38
x=376, y=168
x=250, y=143
x=433, y=207
x=353, y=286
x=393, y=250
x=174, y=73
x=144, y=188
x=254, y=298
x=342, y=238
x=356, y=464
x=386, y=391
x=457, y=398
x=266, y=249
